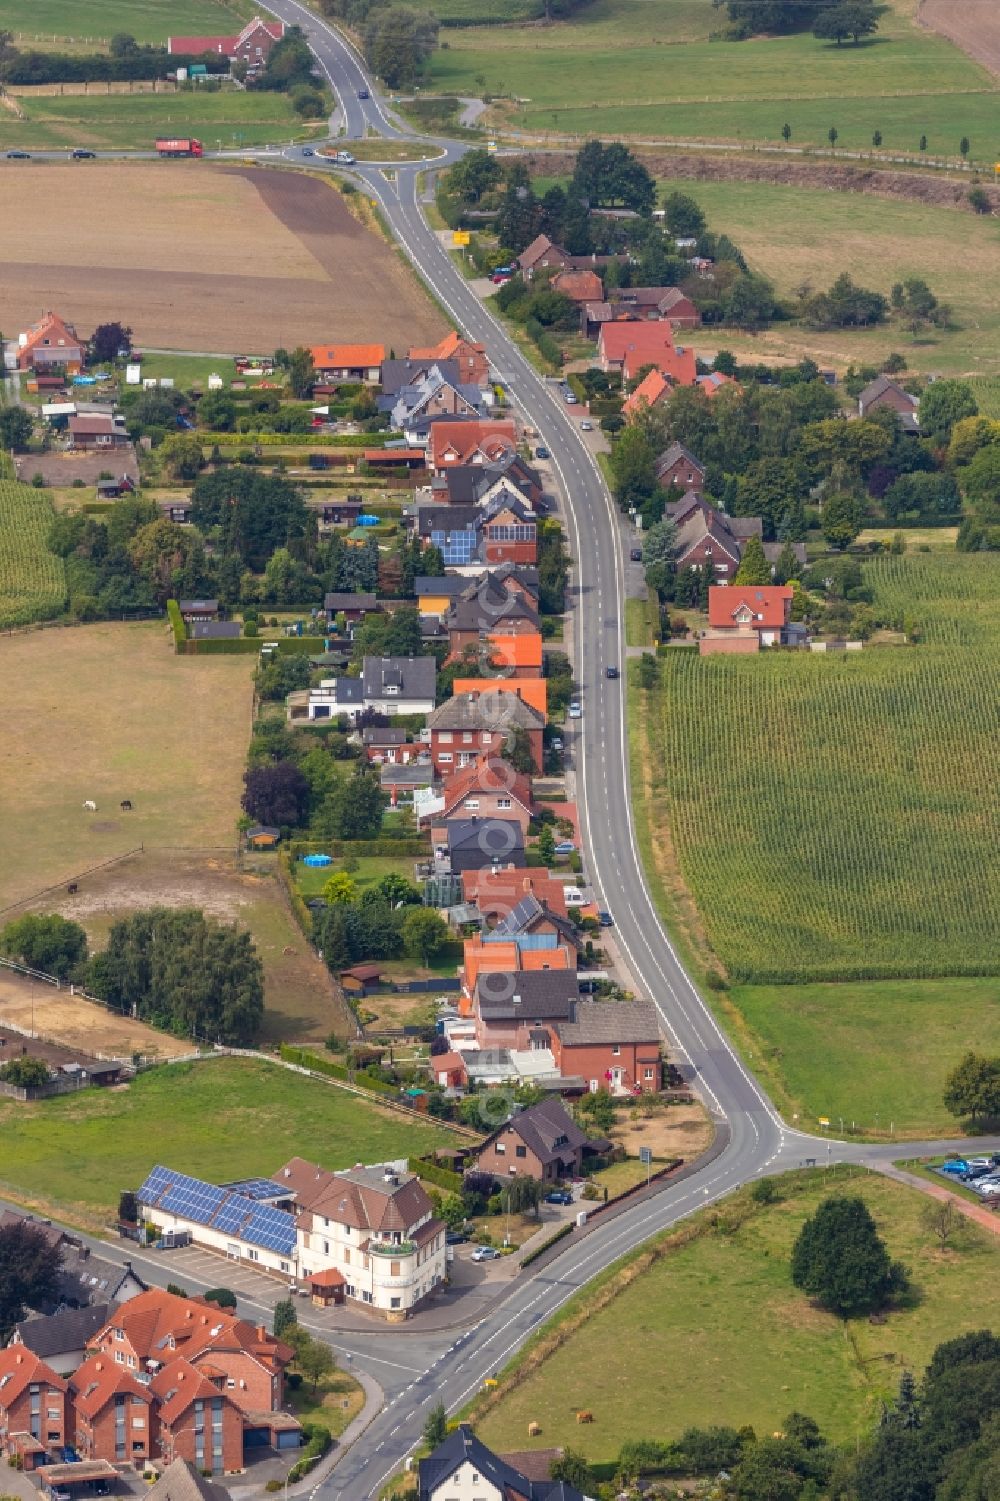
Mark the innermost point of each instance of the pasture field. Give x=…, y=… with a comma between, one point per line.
x=32, y=580
x=872, y=1055
x=206, y=257
x=146, y=20
x=226, y=119
x=719, y=1307
x=222, y=1119
x=106, y=712
x=633, y=67
x=797, y=235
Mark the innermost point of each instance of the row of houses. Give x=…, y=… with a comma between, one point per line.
x=157, y=1376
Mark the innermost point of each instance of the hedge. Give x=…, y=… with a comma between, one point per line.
x=177, y=625
x=295, y=440
x=547, y=1245
x=319, y=1440
x=226, y=647
x=442, y=1177
x=338, y=848
x=333, y=1070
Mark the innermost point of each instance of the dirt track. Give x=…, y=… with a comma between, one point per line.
x=915, y=186
x=973, y=25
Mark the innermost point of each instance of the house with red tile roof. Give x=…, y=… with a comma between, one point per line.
x=488, y=788
x=473, y=366
x=252, y=45
x=51, y=344
x=470, y=442
x=579, y=285
x=763, y=609
x=715, y=381
x=651, y=390
x=33, y=1407
x=497, y=892
x=196, y=1418
x=112, y=1413
x=624, y=348
x=349, y=361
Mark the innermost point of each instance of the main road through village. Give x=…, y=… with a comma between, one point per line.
x=417, y=1367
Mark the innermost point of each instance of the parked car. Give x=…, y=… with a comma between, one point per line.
x=571, y=400
x=988, y=1190
x=559, y=1196
x=574, y=710
x=605, y=919
x=485, y=1253
x=542, y=453
x=455, y=1238
x=557, y=744
x=586, y=427
x=611, y=672
x=565, y=847
x=956, y=1165
x=636, y=555
x=981, y=1162
x=79, y=155
x=501, y=278
x=19, y=156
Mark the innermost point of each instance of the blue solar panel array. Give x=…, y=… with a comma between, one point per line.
x=222, y=1209
x=258, y=1188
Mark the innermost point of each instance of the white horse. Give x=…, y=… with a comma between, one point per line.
x=91, y=807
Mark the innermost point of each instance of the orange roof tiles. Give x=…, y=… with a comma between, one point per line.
x=523, y=650
x=347, y=356
x=98, y=1380
x=19, y=1368
x=759, y=607
x=532, y=691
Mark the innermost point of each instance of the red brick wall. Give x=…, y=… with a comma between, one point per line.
x=178, y=1442
x=17, y=1417
x=596, y=1061
x=261, y=1392
x=706, y=550
x=474, y=747
x=508, y=1163
x=96, y=1438
x=683, y=474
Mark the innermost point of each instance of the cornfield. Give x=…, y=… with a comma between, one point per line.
x=32, y=580
x=986, y=389
x=946, y=598
x=838, y=817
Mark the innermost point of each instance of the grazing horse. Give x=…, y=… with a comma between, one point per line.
x=90, y=806
x=72, y=887
x=126, y=805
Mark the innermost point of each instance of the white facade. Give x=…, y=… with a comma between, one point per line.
x=465, y=1483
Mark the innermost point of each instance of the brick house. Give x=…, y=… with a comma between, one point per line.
x=611, y=1045
x=455, y=442
x=112, y=1413
x=578, y=286
x=388, y=747
x=476, y=843
x=487, y=788
x=51, y=344
x=497, y=892
x=470, y=725
x=473, y=366
x=542, y=254
x=349, y=361
x=251, y=46
x=705, y=539
x=883, y=392
x=541, y=1142
x=624, y=348
x=764, y=610
x=488, y=607
x=511, y=957
x=653, y=389
x=533, y=691
x=33, y=1407
x=509, y=1006
x=90, y=431
x=679, y=468
x=195, y=1418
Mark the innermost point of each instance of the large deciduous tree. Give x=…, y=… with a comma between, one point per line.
x=29, y=1273
x=840, y=1259
x=46, y=942
x=276, y=794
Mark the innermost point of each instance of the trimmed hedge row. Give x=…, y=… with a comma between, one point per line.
x=441, y=1177
x=295, y=440
x=360, y=847
x=547, y=1245
x=177, y=625
x=334, y=1070
x=226, y=647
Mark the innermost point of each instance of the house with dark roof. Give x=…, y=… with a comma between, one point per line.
x=398, y=374
x=883, y=392
x=613, y=1045
x=386, y=746
x=542, y=254
x=61, y=1338
x=470, y=725
x=399, y=685
x=215, y=630
x=353, y=606
x=480, y=843
x=541, y=1142
x=508, y=1006
x=677, y=466
x=462, y=1466
x=430, y=396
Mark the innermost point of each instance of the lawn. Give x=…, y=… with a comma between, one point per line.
x=635, y=68
x=871, y=1055
x=640, y=622
x=227, y=119
x=310, y=879
x=107, y=712
x=803, y=235
x=189, y=370
x=987, y=390
x=32, y=580
x=714, y=1333
x=99, y=20
x=222, y=1119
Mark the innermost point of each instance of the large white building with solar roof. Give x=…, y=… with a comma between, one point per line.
x=367, y=1234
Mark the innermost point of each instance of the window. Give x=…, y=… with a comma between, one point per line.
x=466, y=737
x=394, y=1269
x=326, y=1248
x=520, y=1151
x=253, y=1255
x=648, y=1074
x=616, y=1051
x=500, y=1149
x=502, y=802
x=347, y=1255
x=445, y=758
x=472, y=805
x=394, y=1302
x=138, y=1422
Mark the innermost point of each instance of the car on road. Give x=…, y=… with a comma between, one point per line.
x=542, y=453
x=455, y=1238
x=485, y=1253
x=611, y=672
x=605, y=919
x=80, y=155
x=363, y=94
x=19, y=156
x=565, y=847
x=308, y=151
x=586, y=427
x=571, y=400
x=635, y=555
x=575, y=711
x=559, y=1196
x=345, y=158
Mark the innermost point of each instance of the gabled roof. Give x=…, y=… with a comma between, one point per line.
x=447, y=519
x=486, y=605
x=530, y=913
x=495, y=892
x=528, y=995
x=646, y=342
x=362, y=1197
x=470, y=438
x=668, y=458
x=62, y=1332
x=702, y=523
x=881, y=386
x=21, y=1368
x=448, y=585
x=451, y=345
x=347, y=356
x=713, y=383
x=580, y=286
x=50, y=332
x=540, y=246
x=179, y=1384
x=651, y=389
x=158, y=1321
x=397, y=374
x=763, y=607
x=611, y=1022
x=482, y=776
x=100, y=1379
x=547, y=1130
x=403, y=677
x=496, y=838
x=484, y=711
x=462, y=1447
x=345, y=600
x=521, y=651
x=180, y=1481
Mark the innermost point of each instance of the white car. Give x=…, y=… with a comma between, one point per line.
x=485, y=1253
x=586, y=427
x=574, y=710
x=989, y=1190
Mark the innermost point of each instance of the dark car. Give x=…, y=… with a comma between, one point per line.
x=636, y=555
x=559, y=1196
x=308, y=151
x=605, y=919
x=541, y=453
x=19, y=156
x=80, y=155
x=363, y=94
x=455, y=1238
x=611, y=672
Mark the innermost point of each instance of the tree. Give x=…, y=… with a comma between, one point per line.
x=122, y=44
x=46, y=942
x=517, y=751
x=29, y=1273
x=599, y=1110
x=877, y=139
x=633, y=463
x=276, y=794
x=436, y=1426
x=289, y=62
x=109, y=340
x=222, y=1297
x=754, y=567
x=832, y=135
x=398, y=42
x=749, y=302
x=25, y=1072
x=301, y=372
x=353, y=810
x=972, y=1088
x=255, y=513
x=15, y=428
x=964, y=147
x=787, y=566
x=313, y=1358
x=923, y=143
x=979, y=201
x=181, y=456
x=340, y=888
x=841, y=520
x=546, y=845
x=398, y=891
x=284, y=1317
x=658, y=542
x=425, y=934
x=944, y=403
x=169, y=558
x=786, y=132
x=683, y=215
x=840, y=1259
x=856, y=19
x=182, y=971
x=570, y=1467
x=981, y=482
x=942, y=1219
x=604, y=176
x=477, y=173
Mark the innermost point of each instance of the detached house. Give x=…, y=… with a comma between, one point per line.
x=678, y=467
x=349, y=361
x=92, y=431
x=252, y=45
x=470, y=725
x=883, y=392
x=51, y=344
x=766, y=612
x=542, y=254
x=613, y=1045
x=399, y=685
x=472, y=441
x=476, y=843
x=470, y=358
x=488, y=788
x=541, y=1142
x=463, y=1469
x=624, y=348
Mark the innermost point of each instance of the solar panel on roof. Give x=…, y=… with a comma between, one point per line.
x=258, y=1188
x=232, y=1214
x=272, y=1229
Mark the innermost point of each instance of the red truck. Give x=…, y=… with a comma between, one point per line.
x=183, y=146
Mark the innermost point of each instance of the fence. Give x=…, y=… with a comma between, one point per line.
x=69, y=880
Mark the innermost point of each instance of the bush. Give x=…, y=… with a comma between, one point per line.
x=547, y=1245
x=432, y=1172
x=177, y=625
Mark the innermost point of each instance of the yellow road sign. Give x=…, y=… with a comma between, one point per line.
x=460, y=237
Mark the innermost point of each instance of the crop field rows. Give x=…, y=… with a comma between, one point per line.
x=32, y=580
x=837, y=817
x=950, y=597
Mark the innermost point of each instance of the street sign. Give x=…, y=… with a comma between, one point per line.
x=460, y=237
x=824, y=1120
x=646, y=1155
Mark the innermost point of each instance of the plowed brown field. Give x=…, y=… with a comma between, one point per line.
x=199, y=257
x=973, y=25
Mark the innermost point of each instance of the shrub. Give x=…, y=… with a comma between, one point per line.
x=177, y=625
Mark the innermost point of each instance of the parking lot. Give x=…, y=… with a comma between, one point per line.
x=980, y=1174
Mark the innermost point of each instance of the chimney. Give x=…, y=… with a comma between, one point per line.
x=262, y=1334
x=98, y=1365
